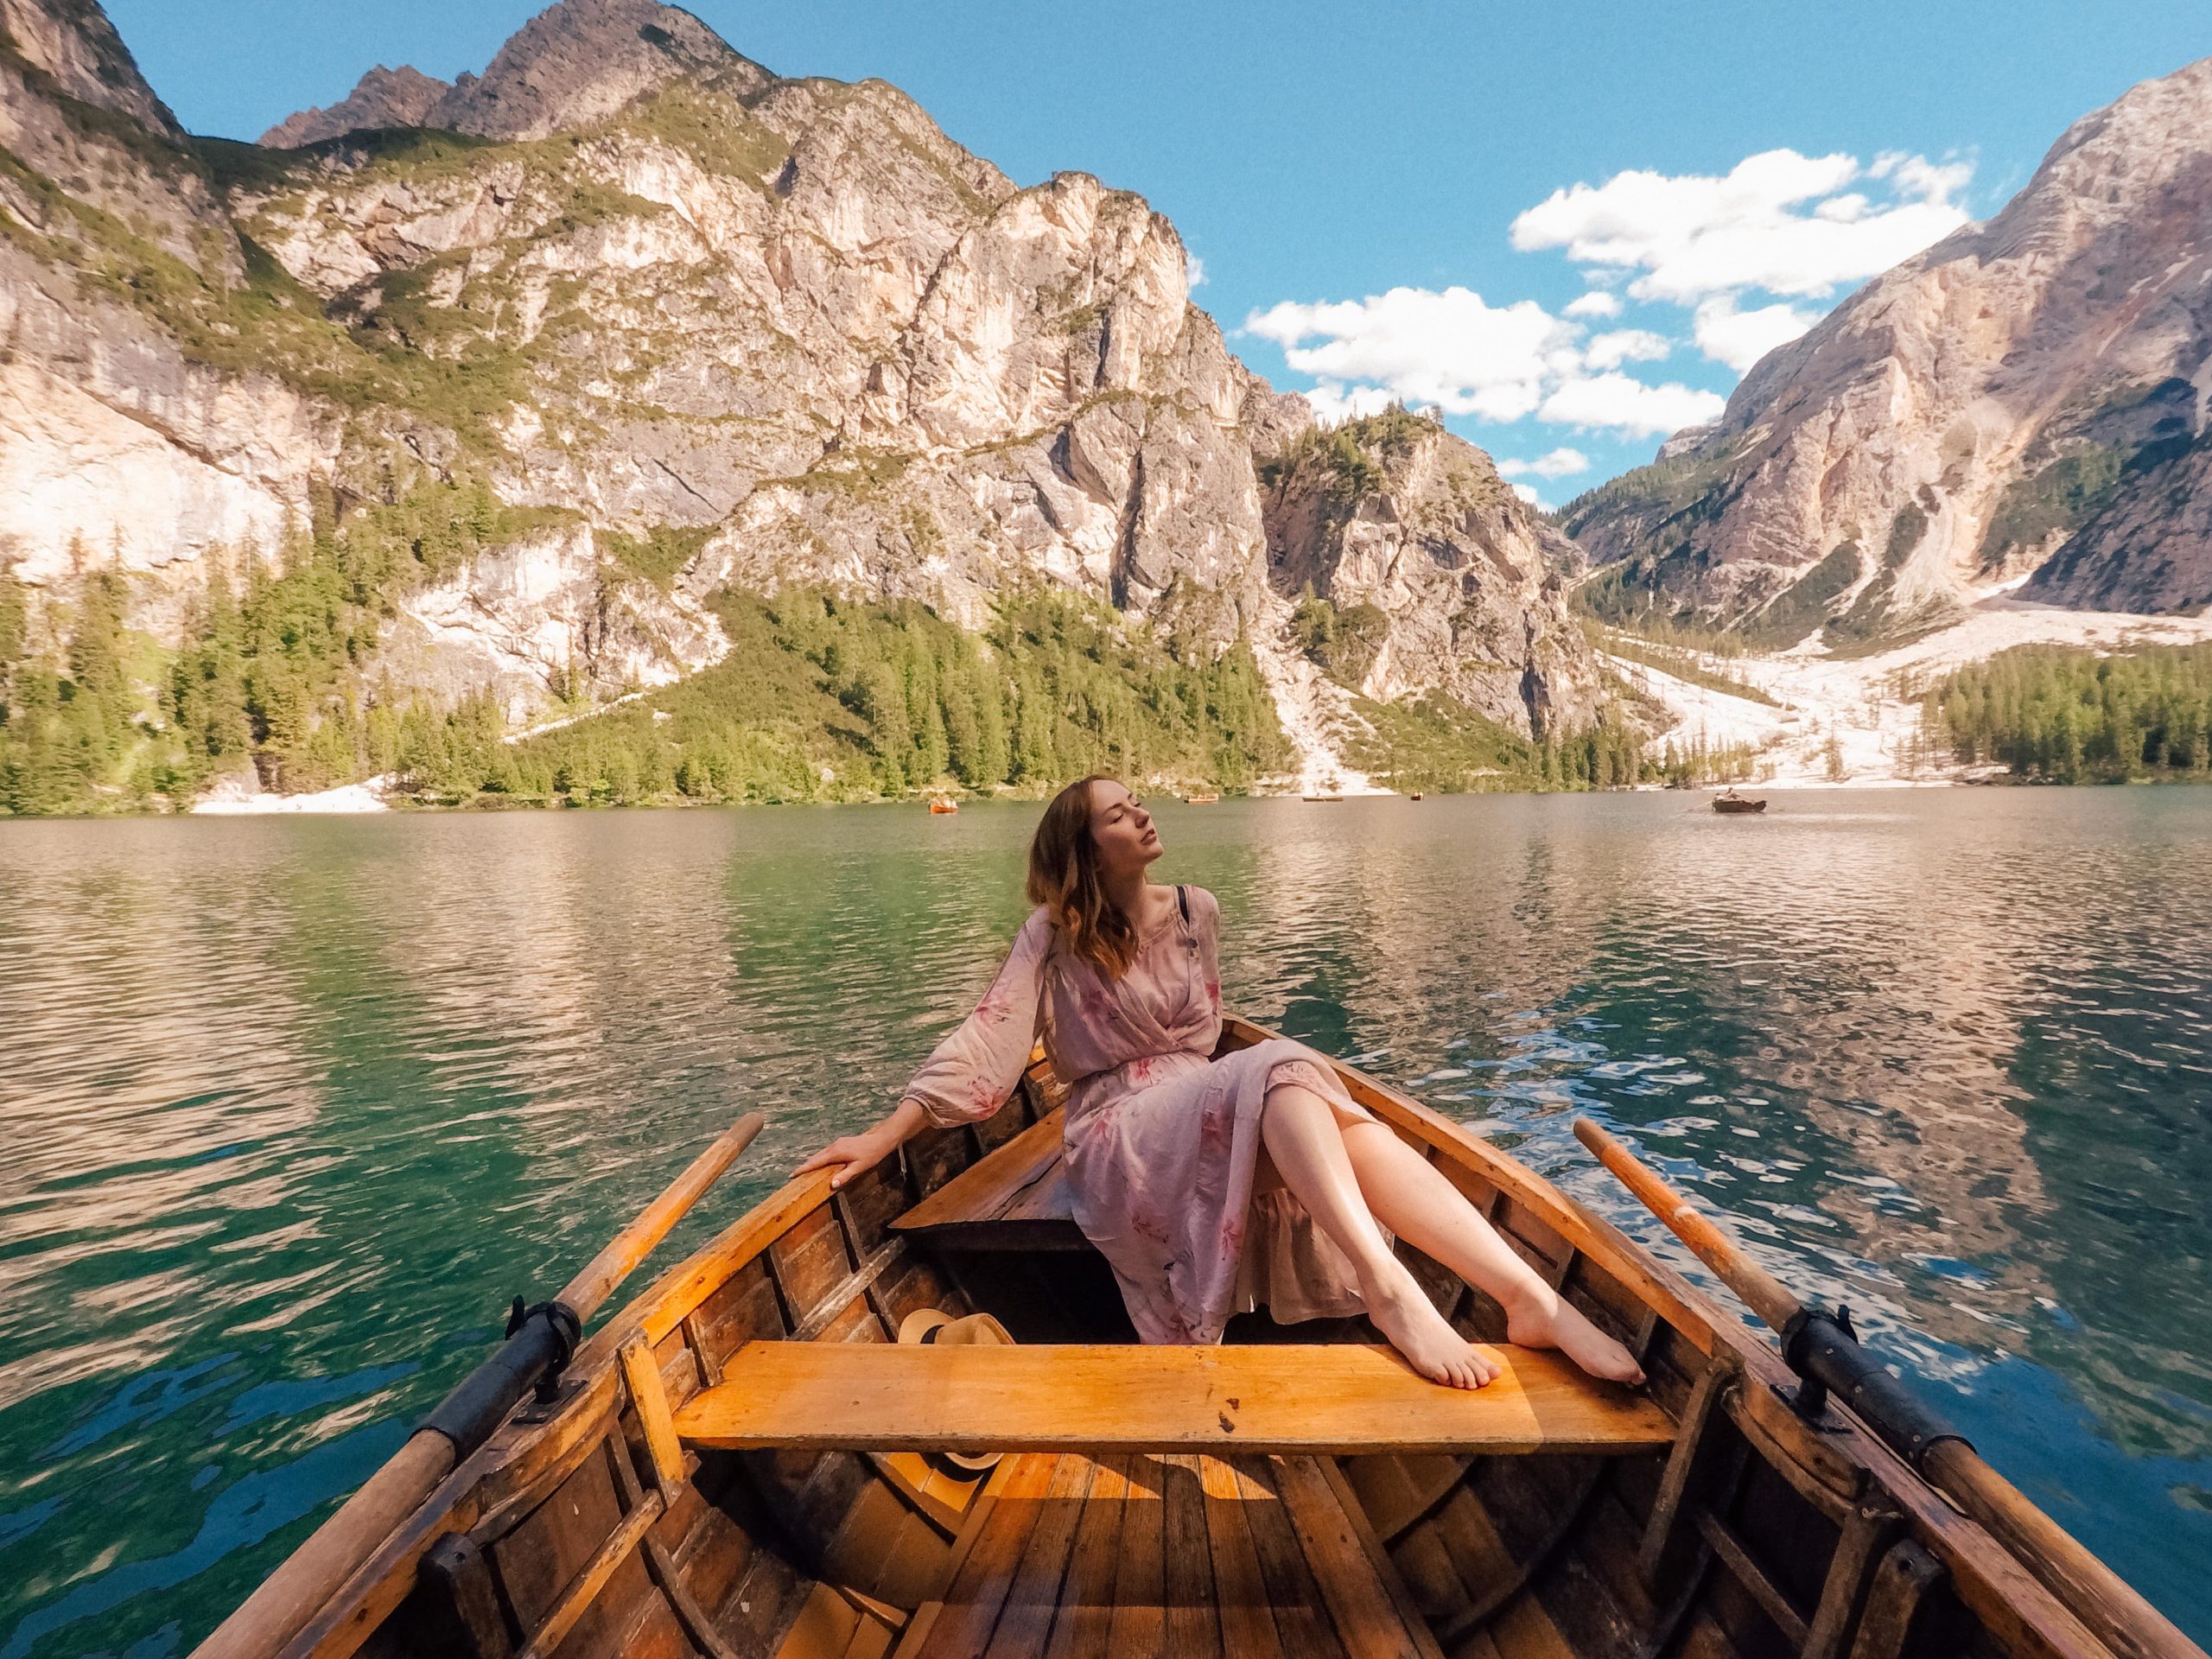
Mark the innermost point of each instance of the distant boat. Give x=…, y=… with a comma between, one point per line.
x=1204, y=797
x=942, y=806
x=1730, y=801
x=1414, y=796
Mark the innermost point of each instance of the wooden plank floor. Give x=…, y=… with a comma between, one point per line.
x=1015, y=1200
x=1212, y=1558
x=1333, y=1397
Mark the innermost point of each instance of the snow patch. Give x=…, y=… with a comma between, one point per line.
x=347, y=800
x=1856, y=721
x=1316, y=713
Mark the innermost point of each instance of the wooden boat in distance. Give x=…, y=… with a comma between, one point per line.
x=939, y=806
x=1202, y=797
x=1728, y=801
x=744, y=1464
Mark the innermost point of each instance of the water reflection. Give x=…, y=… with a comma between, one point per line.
x=292, y=1108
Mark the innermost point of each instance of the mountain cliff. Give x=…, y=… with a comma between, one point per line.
x=545, y=362
x=1439, y=577
x=2025, y=401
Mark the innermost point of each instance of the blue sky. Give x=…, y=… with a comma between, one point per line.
x=1408, y=197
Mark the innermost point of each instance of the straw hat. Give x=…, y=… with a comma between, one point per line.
x=929, y=1325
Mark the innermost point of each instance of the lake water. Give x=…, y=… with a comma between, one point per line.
x=292, y=1108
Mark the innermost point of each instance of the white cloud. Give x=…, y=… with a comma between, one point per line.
x=1558, y=464
x=1693, y=236
x=1528, y=492
x=1739, y=339
x=1917, y=175
x=1613, y=401
x=1733, y=251
x=1625, y=346
x=1594, y=304
x=1497, y=363
x=1194, y=270
x=1450, y=349
x=1333, y=402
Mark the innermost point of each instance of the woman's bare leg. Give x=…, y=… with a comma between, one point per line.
x=1411, y=1197
x=1301, y=1132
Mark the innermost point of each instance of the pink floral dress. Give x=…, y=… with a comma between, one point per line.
x=1164, y=1160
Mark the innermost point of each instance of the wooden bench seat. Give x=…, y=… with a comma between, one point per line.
x=1015, y=1200
x=1331, y=1398
x=1184, y=1555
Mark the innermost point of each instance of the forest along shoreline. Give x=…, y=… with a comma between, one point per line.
x=822, y=700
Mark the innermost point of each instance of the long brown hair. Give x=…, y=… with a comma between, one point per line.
x=1063, y=878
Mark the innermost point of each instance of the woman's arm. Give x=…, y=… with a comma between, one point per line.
x=971, y=1073
x=1205, y=925
x=851, y=1153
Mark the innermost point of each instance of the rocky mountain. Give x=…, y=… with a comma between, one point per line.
x=405, y=96
x=77, y=119
x=567, y=68
x=628, y=321
x=2024, y=401
x=1462, y=586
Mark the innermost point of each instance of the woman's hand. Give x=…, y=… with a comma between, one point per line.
x=851, y=1155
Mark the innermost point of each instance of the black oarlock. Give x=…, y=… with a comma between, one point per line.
x=541, y=1340
x=1824, y=1350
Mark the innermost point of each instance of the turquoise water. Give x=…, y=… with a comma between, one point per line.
x=293, y=1108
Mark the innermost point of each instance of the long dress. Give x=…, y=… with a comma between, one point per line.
x=1164, y=1164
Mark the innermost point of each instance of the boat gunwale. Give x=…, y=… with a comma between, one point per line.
x=473, y=1492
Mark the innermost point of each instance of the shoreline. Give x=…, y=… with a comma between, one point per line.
x=266, y=805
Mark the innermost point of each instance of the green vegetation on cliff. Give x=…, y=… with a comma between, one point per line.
x=1683, y=662
x=1437, y=746
x=273, y=673
x=818, y=699
x=2063, y=715
x=1344, y=643
x=1655, y=494
x=1348, y=461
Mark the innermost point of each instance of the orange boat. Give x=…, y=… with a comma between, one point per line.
x=942, y=805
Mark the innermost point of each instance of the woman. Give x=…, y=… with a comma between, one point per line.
x=1202, y=1182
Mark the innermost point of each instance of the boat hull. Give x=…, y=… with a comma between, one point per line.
x=588, y=1526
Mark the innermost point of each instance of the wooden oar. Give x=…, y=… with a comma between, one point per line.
x=538, y=1343
x=1823, y=1350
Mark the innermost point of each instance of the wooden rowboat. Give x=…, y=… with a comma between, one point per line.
x=743, y=1462
x=1730, y=801
x=940, y=806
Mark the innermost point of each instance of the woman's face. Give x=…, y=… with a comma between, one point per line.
x=1121, y=830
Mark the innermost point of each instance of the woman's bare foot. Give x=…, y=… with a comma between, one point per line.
x=1418, y=1333
x=1544, y=1318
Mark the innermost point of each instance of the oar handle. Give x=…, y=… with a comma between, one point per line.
x=633, y=1243
x=306, y=1579
x=2107, y=1603
x=1764, y=1293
